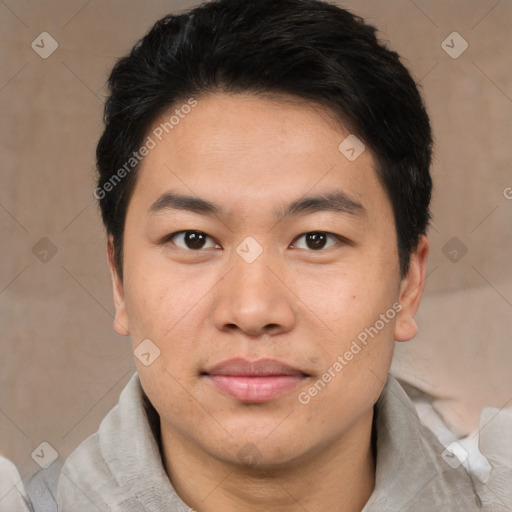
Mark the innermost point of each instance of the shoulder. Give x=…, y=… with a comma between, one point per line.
x=84, y=477
x=93, y=476
x=413, y=470
x=13, y=497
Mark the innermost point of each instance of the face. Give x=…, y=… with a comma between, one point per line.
x=273, y=293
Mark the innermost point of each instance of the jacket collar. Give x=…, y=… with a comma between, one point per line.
x=411, y=474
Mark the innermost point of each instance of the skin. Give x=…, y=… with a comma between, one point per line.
x=250, y=155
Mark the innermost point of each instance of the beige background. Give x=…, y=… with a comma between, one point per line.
x=62, y=366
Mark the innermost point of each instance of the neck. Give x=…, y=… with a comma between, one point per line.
x=339, y=476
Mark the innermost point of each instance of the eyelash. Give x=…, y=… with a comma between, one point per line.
x=339, y=238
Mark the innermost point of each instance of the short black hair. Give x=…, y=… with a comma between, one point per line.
x=309, y=49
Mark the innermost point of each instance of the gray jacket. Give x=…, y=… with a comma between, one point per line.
x=119, y=469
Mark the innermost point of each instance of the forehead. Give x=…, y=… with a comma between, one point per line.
x=244, y=149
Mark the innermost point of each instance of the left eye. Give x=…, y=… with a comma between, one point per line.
x=316, y=240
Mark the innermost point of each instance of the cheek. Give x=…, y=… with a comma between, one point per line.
x=345, y=302
x=168, y=311
x=157, y=302
x=357, y=314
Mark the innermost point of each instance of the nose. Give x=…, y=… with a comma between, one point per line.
x=253, y=299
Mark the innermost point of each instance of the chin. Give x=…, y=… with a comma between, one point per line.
x=251, y=460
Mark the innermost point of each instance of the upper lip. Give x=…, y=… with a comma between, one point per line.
x=259, y=368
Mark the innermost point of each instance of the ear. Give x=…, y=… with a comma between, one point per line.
x=121, y=325
x=411, y=291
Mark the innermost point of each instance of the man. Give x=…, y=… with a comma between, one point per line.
x=264, y=183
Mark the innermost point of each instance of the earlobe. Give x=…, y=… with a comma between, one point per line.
x=121, y=325
x=411, y=291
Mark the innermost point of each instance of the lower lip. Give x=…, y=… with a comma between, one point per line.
x=255, y=389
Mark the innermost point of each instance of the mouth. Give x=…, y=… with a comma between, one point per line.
x=256, y=381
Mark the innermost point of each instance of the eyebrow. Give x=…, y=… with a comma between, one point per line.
x=335, y=201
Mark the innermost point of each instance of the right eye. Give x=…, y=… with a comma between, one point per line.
x=190, y=240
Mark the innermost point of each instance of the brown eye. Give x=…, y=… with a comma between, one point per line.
x=316, y=240
x=193, y=240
